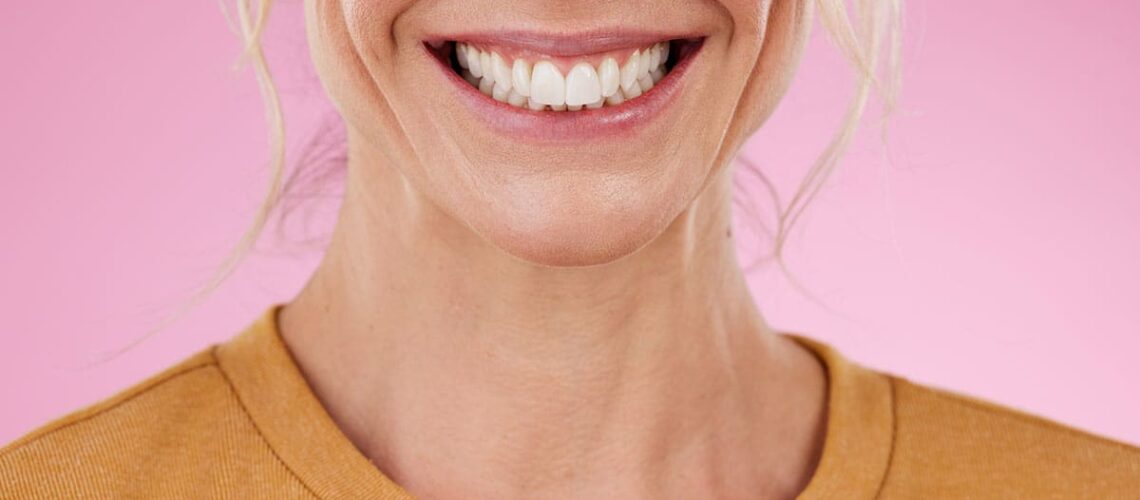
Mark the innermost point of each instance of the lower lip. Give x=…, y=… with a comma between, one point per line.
x=554, y=127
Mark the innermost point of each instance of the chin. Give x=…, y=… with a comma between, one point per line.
x=575, y=246
x=576, y=234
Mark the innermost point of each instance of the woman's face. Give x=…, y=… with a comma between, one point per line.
x=563, y=132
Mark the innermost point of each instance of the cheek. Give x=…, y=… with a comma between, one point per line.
x=750, y=16
x=354, y=59
x=333, y=33
x=770, y=39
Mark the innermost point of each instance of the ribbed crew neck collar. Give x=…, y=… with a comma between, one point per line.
x=305, y=438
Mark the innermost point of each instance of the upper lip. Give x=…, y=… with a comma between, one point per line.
x=564, y=44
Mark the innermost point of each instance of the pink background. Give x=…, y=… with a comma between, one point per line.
x=991, y=248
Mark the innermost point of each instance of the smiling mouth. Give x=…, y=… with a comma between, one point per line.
x=544, y=82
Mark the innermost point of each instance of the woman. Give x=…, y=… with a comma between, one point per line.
x=532, y=292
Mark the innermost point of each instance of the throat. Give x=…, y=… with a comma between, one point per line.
x=519, y=413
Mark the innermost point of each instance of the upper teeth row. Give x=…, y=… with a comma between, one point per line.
x=521, y=85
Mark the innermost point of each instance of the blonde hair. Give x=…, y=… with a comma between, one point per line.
x=877, y=33
x=862, y=43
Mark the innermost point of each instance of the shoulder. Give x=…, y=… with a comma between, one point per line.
x=179, y=433
x=962, y=446
x=191, y=374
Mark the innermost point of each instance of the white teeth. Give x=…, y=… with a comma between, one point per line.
x=547, y=85
x=486, y=86
x=656, y=59
x=485, y=65
x=516, y=99
x=461, y=55
x=543, y=87
x=630, y=70
x=609, y=76
x=520, y=77
x=633, y=91
x=472, y=79
x=499, y=93
x=582, y=85
x=501, y=71
x=646, y=83
x=473, y=61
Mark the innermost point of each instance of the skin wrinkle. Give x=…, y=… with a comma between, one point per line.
x=769, y=94
x=499, y=319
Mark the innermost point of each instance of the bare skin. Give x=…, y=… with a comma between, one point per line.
x=615, y=362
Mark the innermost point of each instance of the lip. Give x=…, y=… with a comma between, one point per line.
x=565, y=44
x=568, y=127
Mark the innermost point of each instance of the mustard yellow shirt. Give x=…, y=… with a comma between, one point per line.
x=237, y=420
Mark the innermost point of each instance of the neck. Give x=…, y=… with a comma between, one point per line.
x=464, y=372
